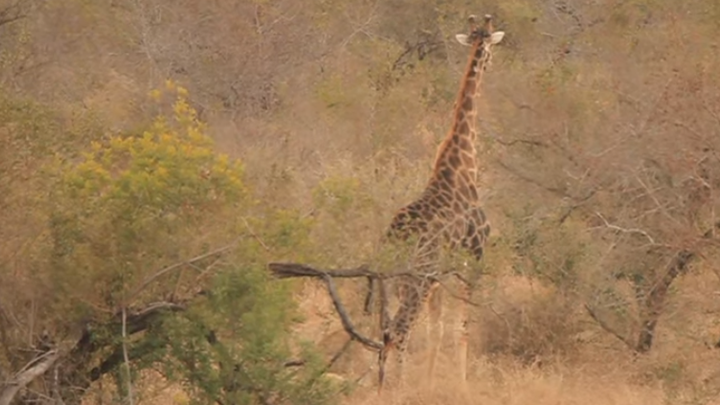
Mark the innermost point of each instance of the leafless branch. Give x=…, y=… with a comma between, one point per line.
x=255, y=235
x=629, y=343
x=370, y=296
x=453, y=294
x=32, y=370
x=363, y=27
x=12, y=12
x=337, y=355
x=530, y=142
x=347, y=324
x=384, y=310
x=626, y=230
x=552, y=189
x=176, y=266
x=294, y=363
x=126, y=358
x=289, y=270
x=292, y=270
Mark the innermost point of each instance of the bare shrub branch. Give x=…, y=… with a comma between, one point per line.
x=35, y=368
x=289, y=270
x=176, y=266
x=626, y=230
x=625, y=339
x=128, y=374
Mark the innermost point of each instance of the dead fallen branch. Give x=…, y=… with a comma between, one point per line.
x=290, y=270
x=32, y=370
x=293, y=270
x=628, y=342
x=347, y=324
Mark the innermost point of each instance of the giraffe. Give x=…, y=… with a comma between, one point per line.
x=447, y=214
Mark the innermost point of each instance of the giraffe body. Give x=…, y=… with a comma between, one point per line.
x=447, y=215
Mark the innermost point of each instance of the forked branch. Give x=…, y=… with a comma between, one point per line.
x=290, y=270
x=625, y=339
x=347, y=324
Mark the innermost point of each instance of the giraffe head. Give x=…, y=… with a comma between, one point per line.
x=480, y=36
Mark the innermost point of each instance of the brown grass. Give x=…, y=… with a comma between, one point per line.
x=593, y=369
x=531, y=344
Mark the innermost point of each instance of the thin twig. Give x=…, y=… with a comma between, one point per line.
x=347, y=324
x=175, y=266
x=626, y=230
x=370, y=297
x=33, y=369
x=291, y=270
x=337, y=355
x=255, y=235
x=384, y=312
x=455, y=295
x=294, y=363
x=608, y=328
x=126, y=358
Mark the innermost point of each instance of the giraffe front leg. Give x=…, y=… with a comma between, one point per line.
x=464, y=332
x=397, y=378
x=463, y=345
x=401, y=358
x=401, y=350
x=435, y=331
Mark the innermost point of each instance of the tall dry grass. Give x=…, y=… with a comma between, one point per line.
x=525, y=352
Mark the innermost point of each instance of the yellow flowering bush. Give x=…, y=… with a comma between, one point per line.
x=134, y=202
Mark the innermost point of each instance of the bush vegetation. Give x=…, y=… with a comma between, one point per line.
x=156, y=155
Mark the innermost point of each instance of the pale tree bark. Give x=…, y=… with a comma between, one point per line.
x=32, y=370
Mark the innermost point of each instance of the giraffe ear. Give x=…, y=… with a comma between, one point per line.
x=463, y=39
x=496, y=37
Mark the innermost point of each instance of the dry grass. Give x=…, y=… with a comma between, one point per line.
x=531, y=345
x=565, y=386
x=593, y=369
x=508, y=383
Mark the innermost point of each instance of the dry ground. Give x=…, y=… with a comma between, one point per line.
x=600, y=371
x=597, y=370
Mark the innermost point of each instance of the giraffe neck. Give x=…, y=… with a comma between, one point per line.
x=457, y=152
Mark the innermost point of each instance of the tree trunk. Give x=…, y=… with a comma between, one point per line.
x=655, y=300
